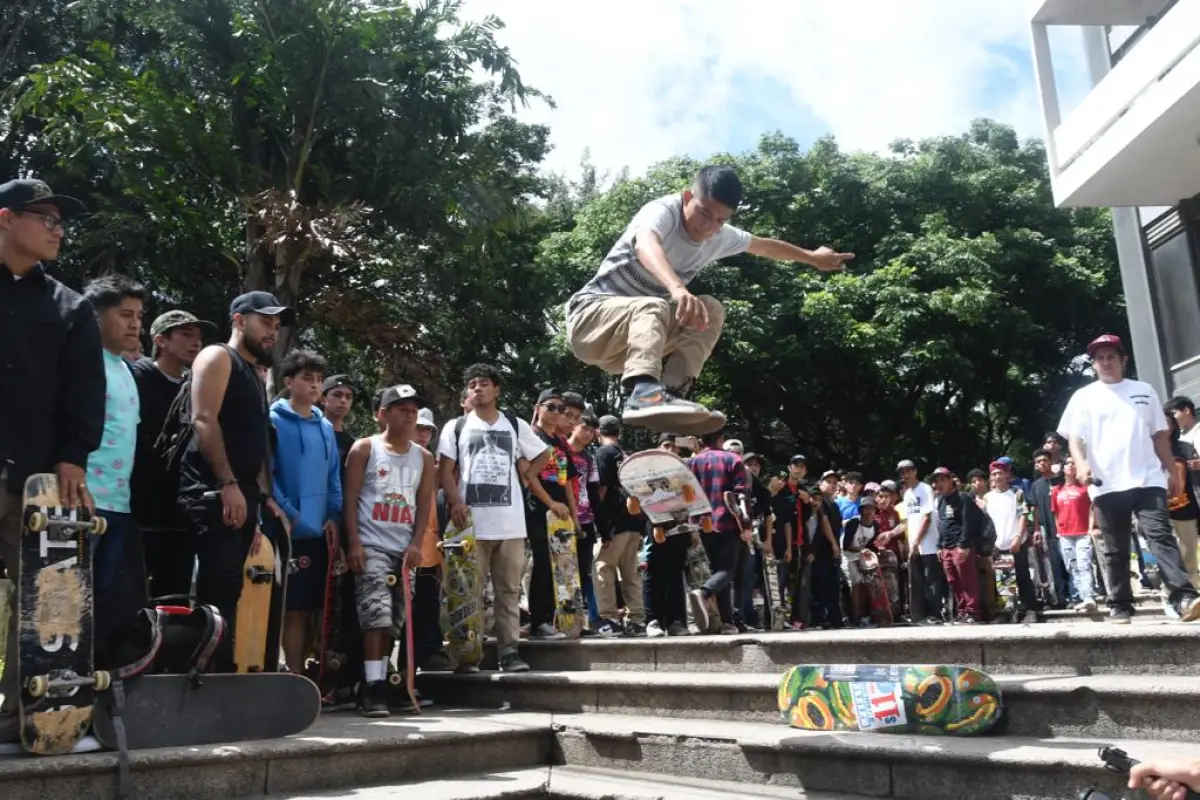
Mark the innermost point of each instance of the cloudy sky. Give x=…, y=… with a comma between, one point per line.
x=636, y=81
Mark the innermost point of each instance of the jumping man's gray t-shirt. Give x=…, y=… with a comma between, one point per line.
x=622, y=275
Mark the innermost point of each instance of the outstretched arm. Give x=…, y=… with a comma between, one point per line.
x=824, y=259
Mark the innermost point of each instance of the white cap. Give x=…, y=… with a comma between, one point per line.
x=734, y=446
x=425, y=419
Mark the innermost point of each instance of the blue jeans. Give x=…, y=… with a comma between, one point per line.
x=1077, y=556
x=108, y=550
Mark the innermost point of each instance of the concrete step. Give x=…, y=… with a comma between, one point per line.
x=875, y=765
x=340, y=750
x=1162, y=707
x=1147, y=611
x=1148, y=646
x=569, y=783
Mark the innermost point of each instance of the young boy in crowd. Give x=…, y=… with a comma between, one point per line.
x=1005, y=504
x=960, y=524
x=1075, y=520
x=859, y=532
x=827, y=556
x=307, y=478
x=587, y=490
x=390, y=487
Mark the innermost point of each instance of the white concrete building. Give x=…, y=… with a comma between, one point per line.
x=1133, y=144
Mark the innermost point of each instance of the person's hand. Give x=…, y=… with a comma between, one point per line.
x=274, y=508
x=560, y=510
x=837, y=554
x=233, y=505
x=1038, y=539
x=356, y=558
x=1083, y=473
x=826, y=259
x=72, y=486
x=787, y=556
x=460, y=514
x=1168, y=779
x=689, y=311
x=1015, y=547
x=1174, y=489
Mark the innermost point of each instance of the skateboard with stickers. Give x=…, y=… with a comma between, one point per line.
x=569, y=608
x=937, y=700
x=661, y=486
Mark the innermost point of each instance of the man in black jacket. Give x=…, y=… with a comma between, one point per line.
x=51, y=378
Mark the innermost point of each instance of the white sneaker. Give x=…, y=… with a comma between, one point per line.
x=1086, y=607
x=654, y=630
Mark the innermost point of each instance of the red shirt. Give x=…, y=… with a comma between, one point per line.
x=1071, y=506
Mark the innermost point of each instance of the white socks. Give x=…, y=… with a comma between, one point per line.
x=375, y=670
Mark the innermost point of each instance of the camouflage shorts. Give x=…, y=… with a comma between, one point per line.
x=380, y=605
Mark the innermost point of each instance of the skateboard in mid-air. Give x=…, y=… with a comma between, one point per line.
x=661, y=486
x=462, y=597
x=55, y=668
x=569, y=608
x=938, y=700
x=175, y=711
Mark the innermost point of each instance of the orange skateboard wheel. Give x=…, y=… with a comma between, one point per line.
x=660, y=535
x=688, y=492
x=706, y=525
x=633, y=506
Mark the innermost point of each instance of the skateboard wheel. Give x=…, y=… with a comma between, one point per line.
x=468, y=547
x=633, y=506
x=688, y=492
x=103, y=680
x=38, y=521
x=706, y=525
x=471, y=636
x=660, y=535
x=37, y=685
x=98, y=525
x=391, y=581
x=395, y=679
x=335, y=663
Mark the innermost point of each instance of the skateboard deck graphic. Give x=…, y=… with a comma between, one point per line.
x=937, y=700
x=462, y=597
x=254, y=607
x=332, y=657
x=172, y=711
x=54, y=635
x=774, y=610
x=879, y=605
x=569, y=609
x=661, y=486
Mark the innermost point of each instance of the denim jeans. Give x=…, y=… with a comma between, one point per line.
x=1077, y=555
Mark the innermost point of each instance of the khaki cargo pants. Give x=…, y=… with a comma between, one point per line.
x=631, y=337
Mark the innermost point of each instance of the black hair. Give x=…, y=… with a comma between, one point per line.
x=1041, y=451
x=589, y=419
x=853, y=476
x=299, y=361
x=108, y=291
x=377, y=399
x=720, y=183
x=1179, y=403
x=976, y=473
x=574, y=400
x=481, y=371
x=1056, y=436
x=713, y=439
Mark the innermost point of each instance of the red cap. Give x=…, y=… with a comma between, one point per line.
x=943, y=471
x=1000, y=465
x=1106, y=340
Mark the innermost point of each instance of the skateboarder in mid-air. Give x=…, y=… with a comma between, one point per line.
x=636, y=317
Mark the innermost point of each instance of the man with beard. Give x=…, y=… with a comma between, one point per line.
x=230, y=452
x=170, y=551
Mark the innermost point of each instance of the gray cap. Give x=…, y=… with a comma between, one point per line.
x=609, y=425
x=906, y=464
x=425, y=419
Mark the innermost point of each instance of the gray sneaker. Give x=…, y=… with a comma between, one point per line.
x=547, y=632
x=699, y=608
x=511, y=662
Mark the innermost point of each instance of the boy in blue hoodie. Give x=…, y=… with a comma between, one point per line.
x=307, y=485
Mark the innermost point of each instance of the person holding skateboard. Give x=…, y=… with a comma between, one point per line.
x=52, y=383
x=636, y=318
x=390, y=494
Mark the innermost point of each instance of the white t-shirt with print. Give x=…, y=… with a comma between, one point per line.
x=1005, y=508
x=487, y=472
x=1117, y=422
x=918, y=504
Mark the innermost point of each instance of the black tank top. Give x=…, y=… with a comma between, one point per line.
x=245, y=428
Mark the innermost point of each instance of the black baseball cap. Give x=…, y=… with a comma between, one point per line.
x=609, y=425
x=394, y=394
x=19, y=194
x=549, y=394
x=262, y=303
x=334, y=381
x=798, y=459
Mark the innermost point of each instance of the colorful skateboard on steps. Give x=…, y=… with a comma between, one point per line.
x=569, y=608
x=462, y=597
x=54, y=635
x=172, y=711
x=661, y=486
x=937, y=700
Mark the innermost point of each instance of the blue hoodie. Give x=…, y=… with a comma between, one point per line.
x=307, y=481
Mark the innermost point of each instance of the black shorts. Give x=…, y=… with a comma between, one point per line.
x=306, y=586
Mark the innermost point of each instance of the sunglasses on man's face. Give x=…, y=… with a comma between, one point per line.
x=555, y=408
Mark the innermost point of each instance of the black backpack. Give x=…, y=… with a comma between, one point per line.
x=177, y=433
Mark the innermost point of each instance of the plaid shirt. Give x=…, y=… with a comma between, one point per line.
x=720, y=471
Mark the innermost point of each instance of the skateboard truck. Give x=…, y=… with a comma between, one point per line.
x=257, y=574
x=39, y=685
x=40, y=520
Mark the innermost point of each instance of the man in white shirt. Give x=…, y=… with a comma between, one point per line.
x=485, y=446
x=637, y=311
x=927, y=581
x=1119, y=440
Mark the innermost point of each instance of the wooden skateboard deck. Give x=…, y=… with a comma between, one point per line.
x=254, y=607
x=285, y=565
x=171, y=711
x=462, y=597
x=937, y=700
x=54, y=635
x=569, y=608
x=661, y=486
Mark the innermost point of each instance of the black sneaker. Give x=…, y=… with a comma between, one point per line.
x=678, y=629
x=375, y=700
x=608, y=629
x=1120, y=616
x=511, y=662
x=635, y=629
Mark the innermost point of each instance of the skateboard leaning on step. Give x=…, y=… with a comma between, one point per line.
x=462, y=597
x=332, y=656
x=173, y=711
x=56, y=673
x=878, y=603
x=661, y=486
x=938, y=700
x=569, y=608
x=280, y=538
x=254, y=606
